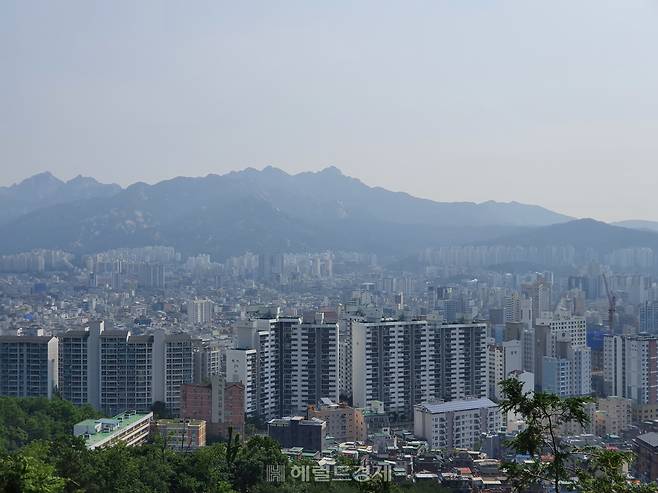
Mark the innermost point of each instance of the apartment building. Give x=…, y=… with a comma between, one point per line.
x=28, y=366
x=403, y=363
x=130, y=428
x=456, y=424
x=285, y=363
x=630, y=367
x=114, y=370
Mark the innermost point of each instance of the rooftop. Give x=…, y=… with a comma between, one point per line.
x=178, y=422
x=123, y=421
x=650, y=439
x=463, y=405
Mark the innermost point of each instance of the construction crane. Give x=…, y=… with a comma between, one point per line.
x=612, y=305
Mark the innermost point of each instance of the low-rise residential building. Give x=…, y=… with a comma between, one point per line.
x=375, y=417
x=130, y=428
x=613, y=415
x=181, y=434
x=646, y=463
x=456, y=424
x=297, y=431
x=344, y=423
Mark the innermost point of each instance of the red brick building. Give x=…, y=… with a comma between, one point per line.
x=219, y=403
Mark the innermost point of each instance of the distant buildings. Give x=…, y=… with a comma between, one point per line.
x=649, y=317
x=200, y=312
x=28, y=366
x=130, y=428
x=296, y=431
x=152, y=275
x=456, y=424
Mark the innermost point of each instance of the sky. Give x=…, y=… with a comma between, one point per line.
x=552, y=103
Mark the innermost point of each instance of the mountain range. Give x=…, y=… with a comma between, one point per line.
x=268, y=210
x=44, y=190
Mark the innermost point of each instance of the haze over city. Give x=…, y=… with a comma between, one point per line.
x=547, y=103
x=311, y=247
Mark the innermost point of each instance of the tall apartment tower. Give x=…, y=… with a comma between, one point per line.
x=152, y=275
x=115, y=371
x=285, y=363
x=404, y=363
x=200, y=311
x=512, y=308
x=242, y=367
x=208, y=361
x=79, y=372
x=464, y=352
x=177, y=352
x=314, y=362
x=28, y=366
x=561, y=356
x=630, y=367
x=345, y=357
x=649, y=317
x=540, y=294
x=126, y=376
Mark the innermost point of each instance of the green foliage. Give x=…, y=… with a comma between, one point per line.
x=26, y=474
x=543, y=414
x=24, y=420
x=603, y=472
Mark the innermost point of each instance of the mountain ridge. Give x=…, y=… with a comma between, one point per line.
x=45, y=190
x=259, y=210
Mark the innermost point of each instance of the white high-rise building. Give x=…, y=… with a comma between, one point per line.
x=126, y=366
x=456, y=424
x=200, y=312
x=630, y=367
x=512, y=308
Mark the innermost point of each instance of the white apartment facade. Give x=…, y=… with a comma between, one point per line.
x=456, y=424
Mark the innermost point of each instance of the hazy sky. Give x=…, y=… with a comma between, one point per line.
x=552, y=102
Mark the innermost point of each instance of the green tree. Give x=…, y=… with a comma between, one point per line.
x=252, y=460
x=25, y=474
x=24, y=420
x=544, y=413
